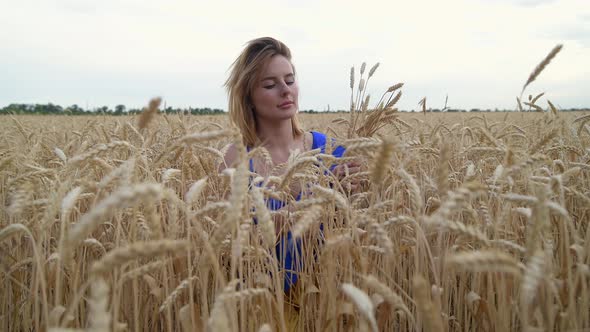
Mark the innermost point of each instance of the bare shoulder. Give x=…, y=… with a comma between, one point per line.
x=229, y=157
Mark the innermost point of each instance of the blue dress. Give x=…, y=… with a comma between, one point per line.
x=288, y=250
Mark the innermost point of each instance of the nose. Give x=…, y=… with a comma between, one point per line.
x=285, y=89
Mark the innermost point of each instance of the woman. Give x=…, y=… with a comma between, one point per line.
x=263, y=103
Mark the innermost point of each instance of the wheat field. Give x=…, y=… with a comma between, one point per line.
x=465, y=222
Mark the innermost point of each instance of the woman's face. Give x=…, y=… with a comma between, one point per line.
x=275, y=94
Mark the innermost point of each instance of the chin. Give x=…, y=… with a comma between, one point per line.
x=289, y=112
x=293, y=113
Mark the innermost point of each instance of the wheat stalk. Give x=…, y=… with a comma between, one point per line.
x=99, y=315
x=431, y=316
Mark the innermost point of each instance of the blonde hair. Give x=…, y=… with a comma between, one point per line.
x=245, y=71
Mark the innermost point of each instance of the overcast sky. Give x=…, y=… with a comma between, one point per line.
x=479, y=52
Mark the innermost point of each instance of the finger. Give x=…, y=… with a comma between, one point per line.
x=353, y=170
x=353, y=163
x=336, y=170
x=347, y=186
x=354, y=188
x=343, y=170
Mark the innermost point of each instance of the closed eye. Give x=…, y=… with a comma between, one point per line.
x=268, y=87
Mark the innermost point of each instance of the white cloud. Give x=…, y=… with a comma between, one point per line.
x=531, y=3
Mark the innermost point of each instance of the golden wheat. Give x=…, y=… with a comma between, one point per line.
x=463, y=223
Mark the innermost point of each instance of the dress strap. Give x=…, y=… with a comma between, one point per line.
x=250, y=162
x=319, y=141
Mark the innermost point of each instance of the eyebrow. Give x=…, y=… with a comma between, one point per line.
x=273, y=77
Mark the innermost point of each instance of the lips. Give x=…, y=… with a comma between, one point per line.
x=286, y=104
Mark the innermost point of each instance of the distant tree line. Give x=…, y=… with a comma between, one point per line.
x=77, y=110
x=453, y=110
x=122, y=110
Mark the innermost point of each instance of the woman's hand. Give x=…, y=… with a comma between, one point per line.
x=345, y=171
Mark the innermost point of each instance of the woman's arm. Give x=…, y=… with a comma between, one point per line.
x=229, y=158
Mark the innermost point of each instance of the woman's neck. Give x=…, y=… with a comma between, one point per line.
x=277, y=135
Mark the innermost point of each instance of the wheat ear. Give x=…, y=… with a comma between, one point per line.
x=485, y=261
x=148, y=113
x=195, y=190
x=382, y=163
x=363, y=303
x=176, y=292
x=310, y=217
x=390, y=296
x=124, y=197
x=121, y=255
x=542, y=65
x=414, y=189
